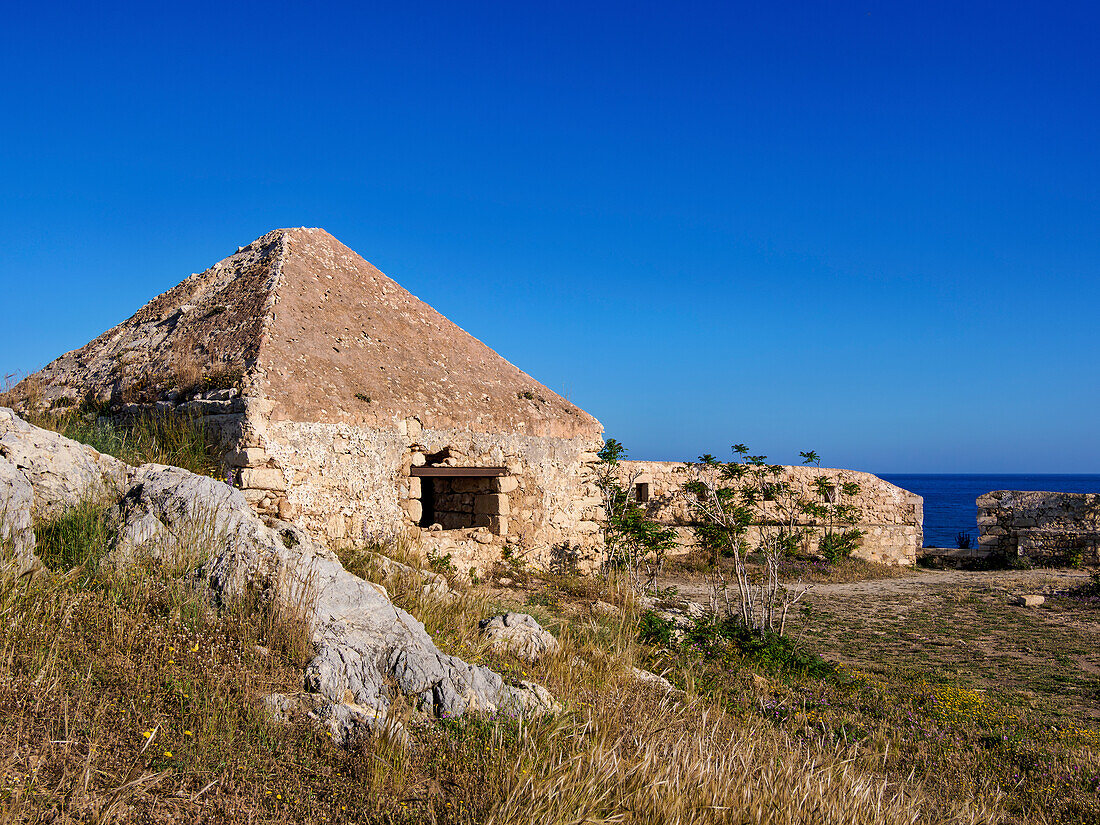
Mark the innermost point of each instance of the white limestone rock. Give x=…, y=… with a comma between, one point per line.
x=1029, y=600
x=367, y=650
x=652, y=678
x=520, y=634
x=16, y=530
x=60, y=472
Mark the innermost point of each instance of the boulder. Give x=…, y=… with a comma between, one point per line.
x=16, y=503
x=520, y=634
x=604, y=610
x=529, y=699
x=1030, y=600
x=652, y=678
x=60, y=472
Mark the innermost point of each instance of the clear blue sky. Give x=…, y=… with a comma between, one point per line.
x=871, y=229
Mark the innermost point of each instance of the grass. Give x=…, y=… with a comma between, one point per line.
x=128, y=697
x=972, y=697
x=177, y=439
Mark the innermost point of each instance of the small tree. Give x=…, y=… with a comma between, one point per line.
x=632, y=541
x=729, y=498
x=835, y=516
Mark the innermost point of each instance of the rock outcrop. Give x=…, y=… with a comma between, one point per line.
x=16, y=502
x=368, y=651
x=60, y=472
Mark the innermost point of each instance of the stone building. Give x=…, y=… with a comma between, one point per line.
x=890, y=518
x=345, y=404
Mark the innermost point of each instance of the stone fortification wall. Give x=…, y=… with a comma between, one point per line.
x=891, y=518
x=1045, y=526
x=348, y=483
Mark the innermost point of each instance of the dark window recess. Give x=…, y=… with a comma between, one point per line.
x=451, y=501
x=438, y=458
x=427, y=502
x=641, y=491
x=830, y=494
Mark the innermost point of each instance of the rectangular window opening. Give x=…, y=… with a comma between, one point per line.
x=452, y=501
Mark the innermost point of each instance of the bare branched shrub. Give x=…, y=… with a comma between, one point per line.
x=728, y=499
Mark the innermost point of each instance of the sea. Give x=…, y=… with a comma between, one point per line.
x=949, y=507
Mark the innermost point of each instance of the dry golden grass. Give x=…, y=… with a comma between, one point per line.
x=628, y=751
x=129, y=698
x=178, y=440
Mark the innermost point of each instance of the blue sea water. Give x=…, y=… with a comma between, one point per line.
x=949, y=507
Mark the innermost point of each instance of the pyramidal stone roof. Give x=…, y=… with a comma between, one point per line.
x=301, y=320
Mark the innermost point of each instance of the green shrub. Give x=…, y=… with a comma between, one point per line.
x=441, y=564
x=765, y=651
x=655, y=630
x=836, y=546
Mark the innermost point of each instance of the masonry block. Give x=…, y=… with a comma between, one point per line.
x=498, y=525
x=505, y=484
x=492, y=504
x=263, y=478
x=248, y=457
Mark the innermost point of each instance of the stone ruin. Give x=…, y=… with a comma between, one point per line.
x=351, y=408
x=891, y=518
x=1053, y=528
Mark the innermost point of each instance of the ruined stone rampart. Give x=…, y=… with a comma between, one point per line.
x=1049, y=527
x=891, y=518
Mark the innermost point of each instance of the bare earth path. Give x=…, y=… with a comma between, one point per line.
x=961, y=626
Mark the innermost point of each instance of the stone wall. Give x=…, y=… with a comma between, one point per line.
x=350, y=484
x=346, y=483
x=892, y=519
x=1050, y=527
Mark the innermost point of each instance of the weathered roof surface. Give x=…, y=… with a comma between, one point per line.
x=317, y=330
x=209, y=321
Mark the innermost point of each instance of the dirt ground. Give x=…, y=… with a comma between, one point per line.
x=961, y=626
